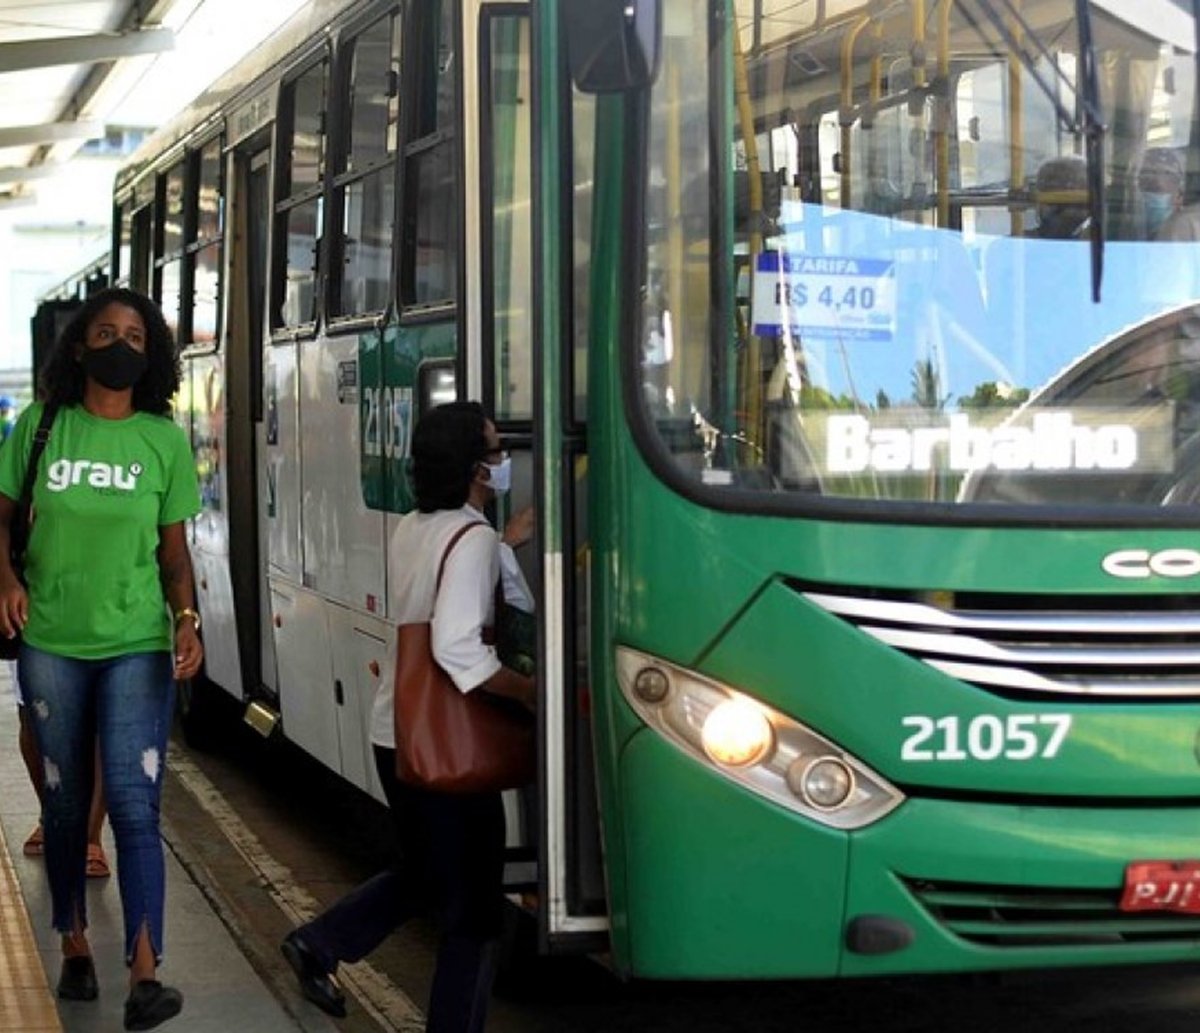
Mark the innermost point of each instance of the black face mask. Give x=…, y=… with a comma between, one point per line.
x=116, y=366
x=1063, y=222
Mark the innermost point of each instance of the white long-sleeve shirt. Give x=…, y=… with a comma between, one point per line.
x=465, y=602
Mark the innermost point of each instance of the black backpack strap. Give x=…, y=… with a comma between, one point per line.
x=20, y=522
x=40, y=437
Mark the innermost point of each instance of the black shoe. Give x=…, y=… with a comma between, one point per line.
x=77, y=981
x=315, y=983
x=150, y=1003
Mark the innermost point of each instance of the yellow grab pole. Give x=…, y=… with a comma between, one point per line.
x=1016, y=122
x=877, y=65
x=682, y=373
x=942, y=126
x=844, y=120
x=918, y=42
x=920, y=79
x=749, y=141
x=750, y=375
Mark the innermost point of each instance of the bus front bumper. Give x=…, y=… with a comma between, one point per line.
x=720, y=883
x=1000, y=885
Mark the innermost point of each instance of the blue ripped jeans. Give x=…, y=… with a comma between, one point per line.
x=127, y=703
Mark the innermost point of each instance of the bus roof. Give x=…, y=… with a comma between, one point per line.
x=265, y=63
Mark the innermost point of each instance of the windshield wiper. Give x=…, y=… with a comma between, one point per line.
x=1093, y=130
x=1088, y=122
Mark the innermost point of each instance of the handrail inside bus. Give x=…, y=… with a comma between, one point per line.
x=942, y=143
x=847, y=115
x=750, y=403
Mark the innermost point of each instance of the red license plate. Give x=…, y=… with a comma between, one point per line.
x=1162, y=886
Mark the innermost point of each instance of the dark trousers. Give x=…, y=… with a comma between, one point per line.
x=452, y=862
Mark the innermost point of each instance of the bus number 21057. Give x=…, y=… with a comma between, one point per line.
x=984, y=737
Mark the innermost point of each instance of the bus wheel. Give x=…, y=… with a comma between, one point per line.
x=199, y=711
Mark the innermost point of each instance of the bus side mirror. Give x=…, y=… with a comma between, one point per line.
x=612, y=45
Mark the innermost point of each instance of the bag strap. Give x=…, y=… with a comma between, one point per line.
x=446, y=553
x=40, y=437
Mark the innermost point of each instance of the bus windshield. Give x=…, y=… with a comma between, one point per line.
x=870, y=233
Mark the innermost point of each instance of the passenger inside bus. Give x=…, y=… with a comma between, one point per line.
x=1039, y=285
x=1162, y=213
x=1161, y=187
x=1062, y=201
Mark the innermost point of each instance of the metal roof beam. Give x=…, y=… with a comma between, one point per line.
x=83, y=50
x=137, y=14
x=51, y=132
x=27, y=200
x=23, y=173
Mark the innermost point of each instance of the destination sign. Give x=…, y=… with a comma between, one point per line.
x=913, y=441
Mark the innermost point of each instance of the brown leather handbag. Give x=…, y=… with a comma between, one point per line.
x=447, y=740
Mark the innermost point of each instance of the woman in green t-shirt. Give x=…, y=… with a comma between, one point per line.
x=108, y=619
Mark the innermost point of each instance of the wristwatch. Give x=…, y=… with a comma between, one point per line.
x=187, y=611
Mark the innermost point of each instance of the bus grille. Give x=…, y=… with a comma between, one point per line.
x=1024, y=916
x=1111, y=647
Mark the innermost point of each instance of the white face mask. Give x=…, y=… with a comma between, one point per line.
x=500, y=475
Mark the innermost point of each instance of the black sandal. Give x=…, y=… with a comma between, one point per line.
x=150, y=1003
x=77, y=980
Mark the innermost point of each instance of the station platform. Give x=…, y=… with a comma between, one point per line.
x=221, y=990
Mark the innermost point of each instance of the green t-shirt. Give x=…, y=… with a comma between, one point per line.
x=103, y=490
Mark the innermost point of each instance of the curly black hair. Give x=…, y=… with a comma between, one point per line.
x=62, y=376
x=448, y=444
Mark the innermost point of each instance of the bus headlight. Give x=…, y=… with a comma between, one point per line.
x=736, y=733
x=825, y=783
x=760, y=748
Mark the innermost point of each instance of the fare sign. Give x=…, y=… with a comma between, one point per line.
x=1162, y=886
x=838, y=298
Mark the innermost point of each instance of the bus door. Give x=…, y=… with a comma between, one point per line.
x=247, y=425
x=573, y=880
x=538, y=417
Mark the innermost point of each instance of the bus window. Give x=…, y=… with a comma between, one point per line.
x=307, y=144
x=204, y=248
x=124, y=248
x=299, y=213
x=209, y=200
x=429, y=259
x=170, y=278
x=364, y=192
x=139, y=273
x=173, y=211
x=507, y=167
x=583, y=138
x=206, y=292
x=170, y=274
x=302, y=232
x=142, y=259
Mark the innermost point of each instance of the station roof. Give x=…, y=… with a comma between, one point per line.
x=65, y=66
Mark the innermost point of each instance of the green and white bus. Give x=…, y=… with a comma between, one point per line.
x=848, y=351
